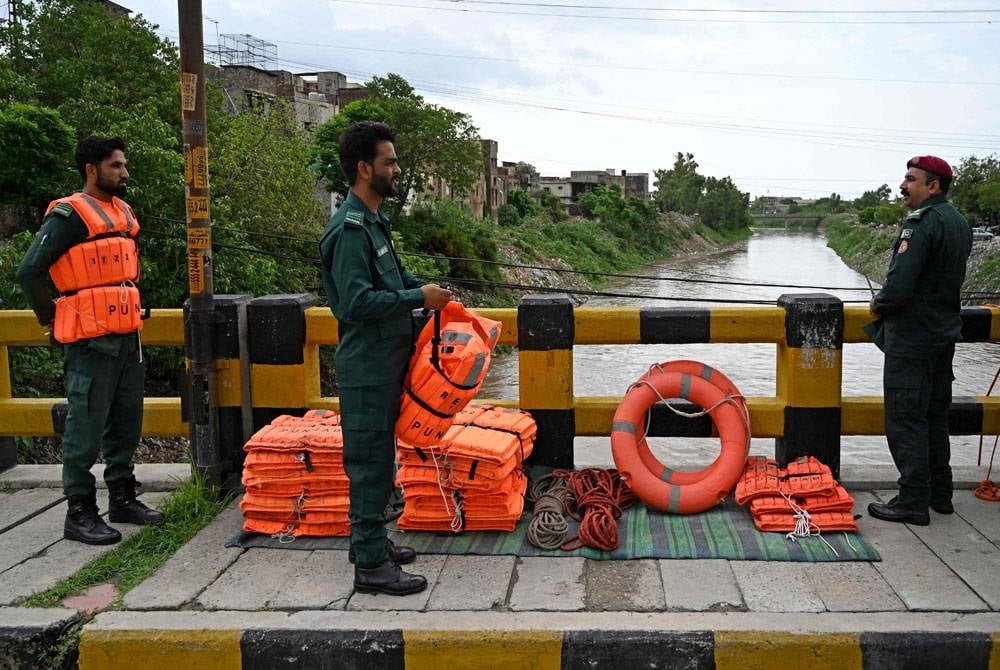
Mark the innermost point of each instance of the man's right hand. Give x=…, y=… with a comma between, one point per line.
x=436, y=297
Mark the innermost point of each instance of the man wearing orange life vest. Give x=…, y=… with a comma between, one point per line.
x=87, y=247
x=372, y=296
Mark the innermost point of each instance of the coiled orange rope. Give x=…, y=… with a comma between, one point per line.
x=596, y=498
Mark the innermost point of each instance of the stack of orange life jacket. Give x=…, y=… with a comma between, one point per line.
x=473, y=479
x=449, y=363
x=294, y=477
x=786, y=499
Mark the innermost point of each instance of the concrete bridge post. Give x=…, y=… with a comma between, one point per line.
x=8, y=447
x=809, y=372
x=280, y=380
x=545, y=333
x=232, y=364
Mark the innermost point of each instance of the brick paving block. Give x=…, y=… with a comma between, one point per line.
x=632, y=586
x=852, y=586
x=917, y=575
x=769, y=586
x=19, y=506
x=325, y=581
x=253, y=580
x=700, y=585
x=472, y=583
x=195, y=565
x=548, y=584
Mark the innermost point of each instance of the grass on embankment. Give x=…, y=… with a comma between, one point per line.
x=187, y=510
x=866, y=250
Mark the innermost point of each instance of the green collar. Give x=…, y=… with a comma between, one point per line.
x=355, y=202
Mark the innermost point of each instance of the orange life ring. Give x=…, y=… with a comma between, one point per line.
x=657, y=485
x=717, y=379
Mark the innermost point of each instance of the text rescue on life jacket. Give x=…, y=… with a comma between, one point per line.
x=96, y=277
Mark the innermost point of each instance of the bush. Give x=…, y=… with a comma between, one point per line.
x=443, y=228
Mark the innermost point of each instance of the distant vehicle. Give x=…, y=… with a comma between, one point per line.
x=981, y=234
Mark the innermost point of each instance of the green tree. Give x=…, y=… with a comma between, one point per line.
x=524, y=203
x=680, y=188
x=91, y=64
x=989, y=202
x=873, y=198
x=724, y=206
x=885, y=214
x=36, y=149
x=972, y=179
x=263, y=190
x=431, y=141
x=551, y=204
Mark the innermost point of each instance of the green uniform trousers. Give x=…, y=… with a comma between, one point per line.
x=368, y=416
x=104, y=390
x=917, y=400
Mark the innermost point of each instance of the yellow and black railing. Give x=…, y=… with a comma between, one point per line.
x=268, y=364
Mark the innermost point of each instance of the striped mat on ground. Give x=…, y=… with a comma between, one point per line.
x=726, y=531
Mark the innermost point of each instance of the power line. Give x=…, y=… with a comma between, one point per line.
x=613, y=17
x=882, y=144
x=722, y=281
x=714, y=10
x=640, y=68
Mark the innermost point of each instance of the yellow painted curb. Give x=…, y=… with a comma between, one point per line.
x=764, y=650
x=161, y=649
x=475, y=650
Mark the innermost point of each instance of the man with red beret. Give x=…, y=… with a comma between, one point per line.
x=919, y=321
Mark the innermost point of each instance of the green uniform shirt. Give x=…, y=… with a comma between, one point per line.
x=370, y=293
x=60, y=230
x=920, y=304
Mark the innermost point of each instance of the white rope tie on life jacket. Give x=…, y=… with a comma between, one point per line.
x=804, y=527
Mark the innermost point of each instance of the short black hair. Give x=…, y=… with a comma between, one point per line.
x=93, y=150
x=944, y=182
x=360, y=143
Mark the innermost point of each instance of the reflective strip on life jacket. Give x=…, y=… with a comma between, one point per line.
x=97, y=311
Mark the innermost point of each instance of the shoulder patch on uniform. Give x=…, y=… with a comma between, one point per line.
x=63, y=209
x=381, y=251
x=907, y=232
x=354, y=218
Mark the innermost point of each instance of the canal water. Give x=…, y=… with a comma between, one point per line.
x=768, y=257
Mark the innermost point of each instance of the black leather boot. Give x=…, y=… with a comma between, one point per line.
x=84, y=523
x=125, y=508
x=399, y=555
x=387, y=578
x=893, y=511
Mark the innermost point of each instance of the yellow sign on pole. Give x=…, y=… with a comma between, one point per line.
x=196, y=273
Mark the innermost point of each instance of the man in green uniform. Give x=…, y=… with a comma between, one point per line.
x=919, y=311
x=372, y=295
x=104, y=374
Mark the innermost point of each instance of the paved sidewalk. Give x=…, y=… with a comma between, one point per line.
x=933, y=601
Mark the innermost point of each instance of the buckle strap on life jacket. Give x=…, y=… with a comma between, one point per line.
x=425, y=406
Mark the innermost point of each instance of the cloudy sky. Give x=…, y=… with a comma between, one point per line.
x=787, y=98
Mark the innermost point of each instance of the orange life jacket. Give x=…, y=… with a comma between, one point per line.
x=96, y=277
x=450, y=361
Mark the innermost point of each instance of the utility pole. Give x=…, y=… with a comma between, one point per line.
x=203, y=416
